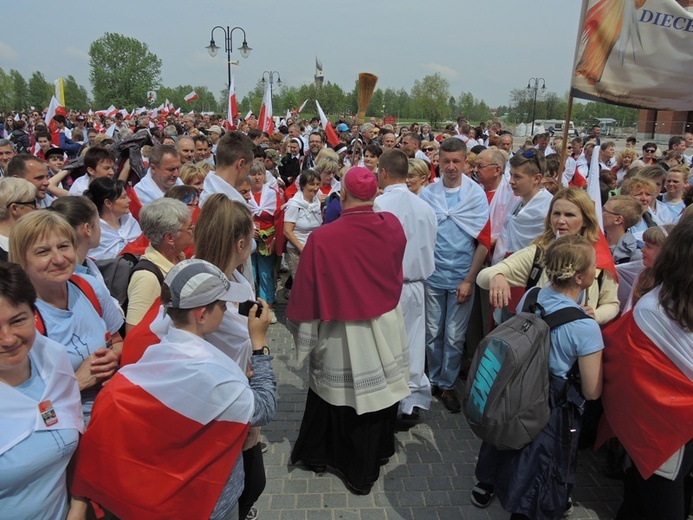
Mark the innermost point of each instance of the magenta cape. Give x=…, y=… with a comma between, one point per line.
x=351, y=269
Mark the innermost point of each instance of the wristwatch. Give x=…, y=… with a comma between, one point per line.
x=264, y=351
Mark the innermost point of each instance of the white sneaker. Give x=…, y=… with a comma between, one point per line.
x=273, y=317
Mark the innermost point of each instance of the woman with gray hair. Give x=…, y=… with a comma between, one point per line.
x=168, y=226
x=17, y=197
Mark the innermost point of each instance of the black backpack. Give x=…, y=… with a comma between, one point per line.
x=117, y=272
x=506, y=398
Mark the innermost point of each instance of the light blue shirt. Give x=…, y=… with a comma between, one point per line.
x=80, y=329
x=32, y=473
x=453, y=252
x=570, y=341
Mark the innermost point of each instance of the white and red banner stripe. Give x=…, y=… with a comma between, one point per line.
x=266, y=122
x=166, y=432
x=191, y=97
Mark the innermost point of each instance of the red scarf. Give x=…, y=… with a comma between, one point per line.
x=350, y=269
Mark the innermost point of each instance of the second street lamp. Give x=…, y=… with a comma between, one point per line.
x=213, y=48
x=535, y=87
x=271, y=74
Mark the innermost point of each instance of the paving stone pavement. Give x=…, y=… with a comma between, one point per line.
x=429, y=477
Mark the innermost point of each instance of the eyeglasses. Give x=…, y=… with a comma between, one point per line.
x=428, y=149
x=650, y=150
x=478, y=166
x=604, y=210
x=30, y=203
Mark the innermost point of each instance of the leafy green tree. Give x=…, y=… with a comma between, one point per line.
x=122, y=71
x=40, y=91
x=430, y=97
x=6, y=98
x=76, y=97
x=20, y=90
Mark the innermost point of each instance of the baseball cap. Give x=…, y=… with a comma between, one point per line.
x=195, y=283
x=361, y=183
x=54, y=151
x=342, y=127
x=214, y=129
x=272, y=155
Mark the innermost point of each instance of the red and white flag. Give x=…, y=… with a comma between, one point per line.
x=301, y=107
x=648, y=365
x=191, y=97
x=332, y=136
x=266, y=122
x=166, y=432
x=54, y=108
x=232, y=109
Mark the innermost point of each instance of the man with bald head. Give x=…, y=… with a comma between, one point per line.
x=186, y=150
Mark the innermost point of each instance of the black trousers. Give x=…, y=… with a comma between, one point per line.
x=658, y=498
x=255, y=480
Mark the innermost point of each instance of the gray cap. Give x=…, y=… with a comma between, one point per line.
x=196, y=283
x=214, y=129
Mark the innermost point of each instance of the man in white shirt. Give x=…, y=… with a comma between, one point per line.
x=164, y=173
x=420, y=227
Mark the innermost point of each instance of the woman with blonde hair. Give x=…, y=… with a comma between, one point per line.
x=417, y=178
x=17, y=198
x=624, y=162
x=73, y=310
x=571, y=212
x=193, y=174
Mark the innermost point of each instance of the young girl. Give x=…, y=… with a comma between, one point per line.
x=535, y=481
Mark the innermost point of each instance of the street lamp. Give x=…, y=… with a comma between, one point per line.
x=228, y=46
x=271, y=74
x=535, y=87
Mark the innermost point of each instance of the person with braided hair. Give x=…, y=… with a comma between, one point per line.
x=536, y=480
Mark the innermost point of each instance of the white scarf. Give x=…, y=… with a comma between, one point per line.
x=268, y=202
x=471, y=212
x=19, y=414
x=519, y=230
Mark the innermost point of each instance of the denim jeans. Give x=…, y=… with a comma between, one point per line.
x=446, y=326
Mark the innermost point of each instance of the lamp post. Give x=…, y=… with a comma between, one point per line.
x=535, y=87
x=228, y=46
x=271, y=74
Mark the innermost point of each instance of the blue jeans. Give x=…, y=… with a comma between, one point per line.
x=263, y=271
x=446, y=326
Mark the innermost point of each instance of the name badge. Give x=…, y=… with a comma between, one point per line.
x=48, y=413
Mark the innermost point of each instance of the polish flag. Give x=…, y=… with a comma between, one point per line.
x=232, y=110
x=111, y=111
x=247, y=116
x=265, y=122
x=54, y=108
x=166, y=432
x=301, y=107
x=645, y=366
x=332, y=137
x=191, y=97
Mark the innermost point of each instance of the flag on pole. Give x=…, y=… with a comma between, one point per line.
x=301, y=107
x=191, y=97
x=628, y=49
x=54, y=108
x=265, y=122
x=332, y=137
x=60, y=90
x=232, y=109
x=593, y=189
x=176, y=438
x=247, y=116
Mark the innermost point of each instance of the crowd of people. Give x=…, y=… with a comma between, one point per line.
x=142, y=260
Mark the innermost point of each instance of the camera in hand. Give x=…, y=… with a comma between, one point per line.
x=244, y=308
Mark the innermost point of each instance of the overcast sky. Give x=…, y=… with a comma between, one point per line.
x=483, y=46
